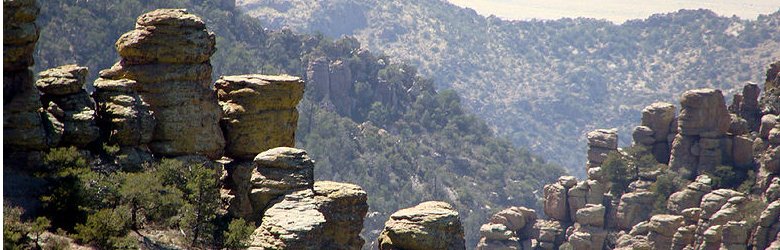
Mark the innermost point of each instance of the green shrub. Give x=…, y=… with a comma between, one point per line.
x=106, y=228
x=665, y=185
x=237, y=235
x=618, y=173
x=148, y=199
x=19, y=234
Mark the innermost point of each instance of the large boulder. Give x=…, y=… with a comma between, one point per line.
x=662, y=229
x=555, y=202
x=344, y=207
x=634, y=207
x=703, y=113
x=258, y=112
x=63, y=91
x=277, y=172
x=429, y=225
x=690, y=196
x=167, y=55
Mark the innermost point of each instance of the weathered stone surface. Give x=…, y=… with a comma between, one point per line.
x=703, y=112
x=629, y=242
x=603, y=138
x=551, y=233
x=742, y=151
x=124, y=117
x=167, y=55
x=634, y=208
x=666, y=224
x=768, y=122
x=643, y=135
x=683, y=237
x=690, y=196
x=555, y=202
x=591, y=215
x=713, y=201
x=770, y=98
x=768, y=226
x=511, y=228
x=70, y=104
x=277, y=172
x=658, y=117
x=496, y=232
x=293, y=223
x=258, y=112
x=20, y=34
x=429, y=225
x=772, y=192
x=344, y=207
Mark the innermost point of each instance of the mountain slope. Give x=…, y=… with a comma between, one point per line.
x=545, y=83
x=388, y=129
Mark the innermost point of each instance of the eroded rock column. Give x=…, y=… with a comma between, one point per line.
x=69, y=103
x=702, y=124
x=167, y=56
x=259, y=112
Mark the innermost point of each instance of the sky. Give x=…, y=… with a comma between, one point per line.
x=617, y=11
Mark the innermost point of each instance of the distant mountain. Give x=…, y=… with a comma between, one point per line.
x=543, y=84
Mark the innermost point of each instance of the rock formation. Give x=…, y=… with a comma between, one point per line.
x=600, y=143
x=429, y=225
x=258, y=112
x=26, y=126
x=167, y=56
x=327, y=216
x=331, y=82
x=656, y=128
x=702, y=125
x=511, y=228
x=69, y=103
x=274, y=173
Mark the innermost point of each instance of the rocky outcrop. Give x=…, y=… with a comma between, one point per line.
x=770, y=98
x=768, y=226
x=551, y=234
x=69, y=103
x=511, y=228
x=689, y=197
x=167, y=55
x=26, y=126
x=273, y=174
x=702, y=124
x=258, y=112
x=655, y=129
x=556, y=205
x=429, y=225
x=332, y=83
x=634, y=207
x=327, y=216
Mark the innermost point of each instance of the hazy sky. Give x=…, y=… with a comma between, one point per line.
x=614, y=10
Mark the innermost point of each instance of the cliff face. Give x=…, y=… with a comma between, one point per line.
x=675, y=188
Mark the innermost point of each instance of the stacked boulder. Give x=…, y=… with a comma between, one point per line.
x=273, y=174
x=295, y=212
x=601, y=142
x=556, y=199
x=65, y=98
x=657, y=129
x=430, y=225
x=702, y=125
x=588, y=231
x=259, y=112
x=511, y=228
x=166, y=59
x=26, y=125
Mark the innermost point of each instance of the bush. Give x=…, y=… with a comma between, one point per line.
x=148, y=199
x=105, y=229
x=618, y=173
x=237, y=235
x=665, y=185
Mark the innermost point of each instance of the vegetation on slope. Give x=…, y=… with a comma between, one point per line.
x=546, y=83
x=420, y=146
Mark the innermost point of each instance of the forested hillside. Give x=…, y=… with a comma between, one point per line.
x=544, y=83
x=382, y=126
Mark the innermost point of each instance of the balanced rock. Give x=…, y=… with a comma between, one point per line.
x=62, y=89
x=167, y=55
x=258, y=112
x=429, y=225
x=277, y=172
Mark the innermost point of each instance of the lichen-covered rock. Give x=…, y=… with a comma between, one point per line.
x=167, y=55
x=344, y=207
x=277, y=172
x=429, y=225
x=258, y=112
x=63, y=91
x=124, y=117
x=20, y=34
x=327, y=216
x=293, y=223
